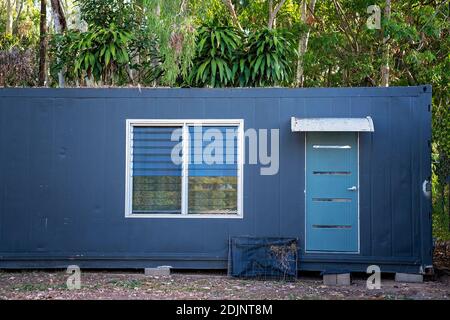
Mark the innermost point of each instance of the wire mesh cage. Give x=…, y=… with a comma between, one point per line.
x=263, y=258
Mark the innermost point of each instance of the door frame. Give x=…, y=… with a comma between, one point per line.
x=358, y=206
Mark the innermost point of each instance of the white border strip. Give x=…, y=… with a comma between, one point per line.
x=130, y=123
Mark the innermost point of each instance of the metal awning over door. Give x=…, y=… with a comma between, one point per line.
x=332, y=124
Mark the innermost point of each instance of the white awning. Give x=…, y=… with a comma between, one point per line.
x=332, y=124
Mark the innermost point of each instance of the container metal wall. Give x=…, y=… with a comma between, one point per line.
x=62, y=177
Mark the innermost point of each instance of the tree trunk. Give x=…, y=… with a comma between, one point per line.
x=273, y=13
x=60, y=27
x=9, y=17
x=19, y=7
x=59, y=17
x=232, y=11
x=43, y=44
x=303, y=41
x=385, y=66
x=270, y=21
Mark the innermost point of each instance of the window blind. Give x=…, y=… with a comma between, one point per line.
x=157, y=179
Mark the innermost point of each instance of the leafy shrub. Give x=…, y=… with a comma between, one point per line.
x=441, y=218
x=269, y=58
x=17, y=65
x=8, y=41
x=103, y=13
x=171, y=23
x=62, y=53
x=145, y=58
x=217, y=58
x=226, y=58
x=100, y=54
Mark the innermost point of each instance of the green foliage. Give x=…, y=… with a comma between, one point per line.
x=25, y=26
x=146, y=60
x=8, y=41
x=441, y=219
x=211, y=12
x=254, y=14
x=102, y=13
x=100, y=54
x=171, y=22
x=62, y=50
x=342, y=51
x=227, y=58
x=217, y=56
x=269, y=58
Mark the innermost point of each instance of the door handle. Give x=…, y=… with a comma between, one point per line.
x=352, y=188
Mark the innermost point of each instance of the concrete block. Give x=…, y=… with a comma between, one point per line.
x=330, y=279
x=344, y=279
x=159, y=271
x=408, y=277
x=341, y=279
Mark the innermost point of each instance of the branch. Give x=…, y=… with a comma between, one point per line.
x=233, y=14
x=273, y=14
x=316, y=18
x=348, y=31
x=182, y=8
x=16, y=22
x=278, y=7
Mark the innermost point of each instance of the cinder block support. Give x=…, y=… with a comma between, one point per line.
x=159, y=271
x=408, y=277
x=341, y=279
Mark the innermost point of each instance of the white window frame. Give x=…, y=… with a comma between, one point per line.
x=184, y=124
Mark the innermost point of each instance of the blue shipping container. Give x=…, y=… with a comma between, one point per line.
x=82, y=171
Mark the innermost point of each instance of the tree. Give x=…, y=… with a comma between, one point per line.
x=229, y=5
x=9, y=17
x=172, y=23
x=268, y=8
x=43, y=44
x=307, y=10
x=385, y=66
x=60, y=27
x=19, y=7
x=273, y=13
x=58, y=16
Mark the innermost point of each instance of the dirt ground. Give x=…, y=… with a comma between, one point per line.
x=51, y=285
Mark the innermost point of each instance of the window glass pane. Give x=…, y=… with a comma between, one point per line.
x=213, y=170
x=156, y=177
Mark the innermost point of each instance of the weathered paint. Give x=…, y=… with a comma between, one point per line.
x=62, y=183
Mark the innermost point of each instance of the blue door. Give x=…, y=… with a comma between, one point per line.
x=332, y=192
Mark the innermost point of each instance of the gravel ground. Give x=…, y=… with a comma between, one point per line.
x=51, y=285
